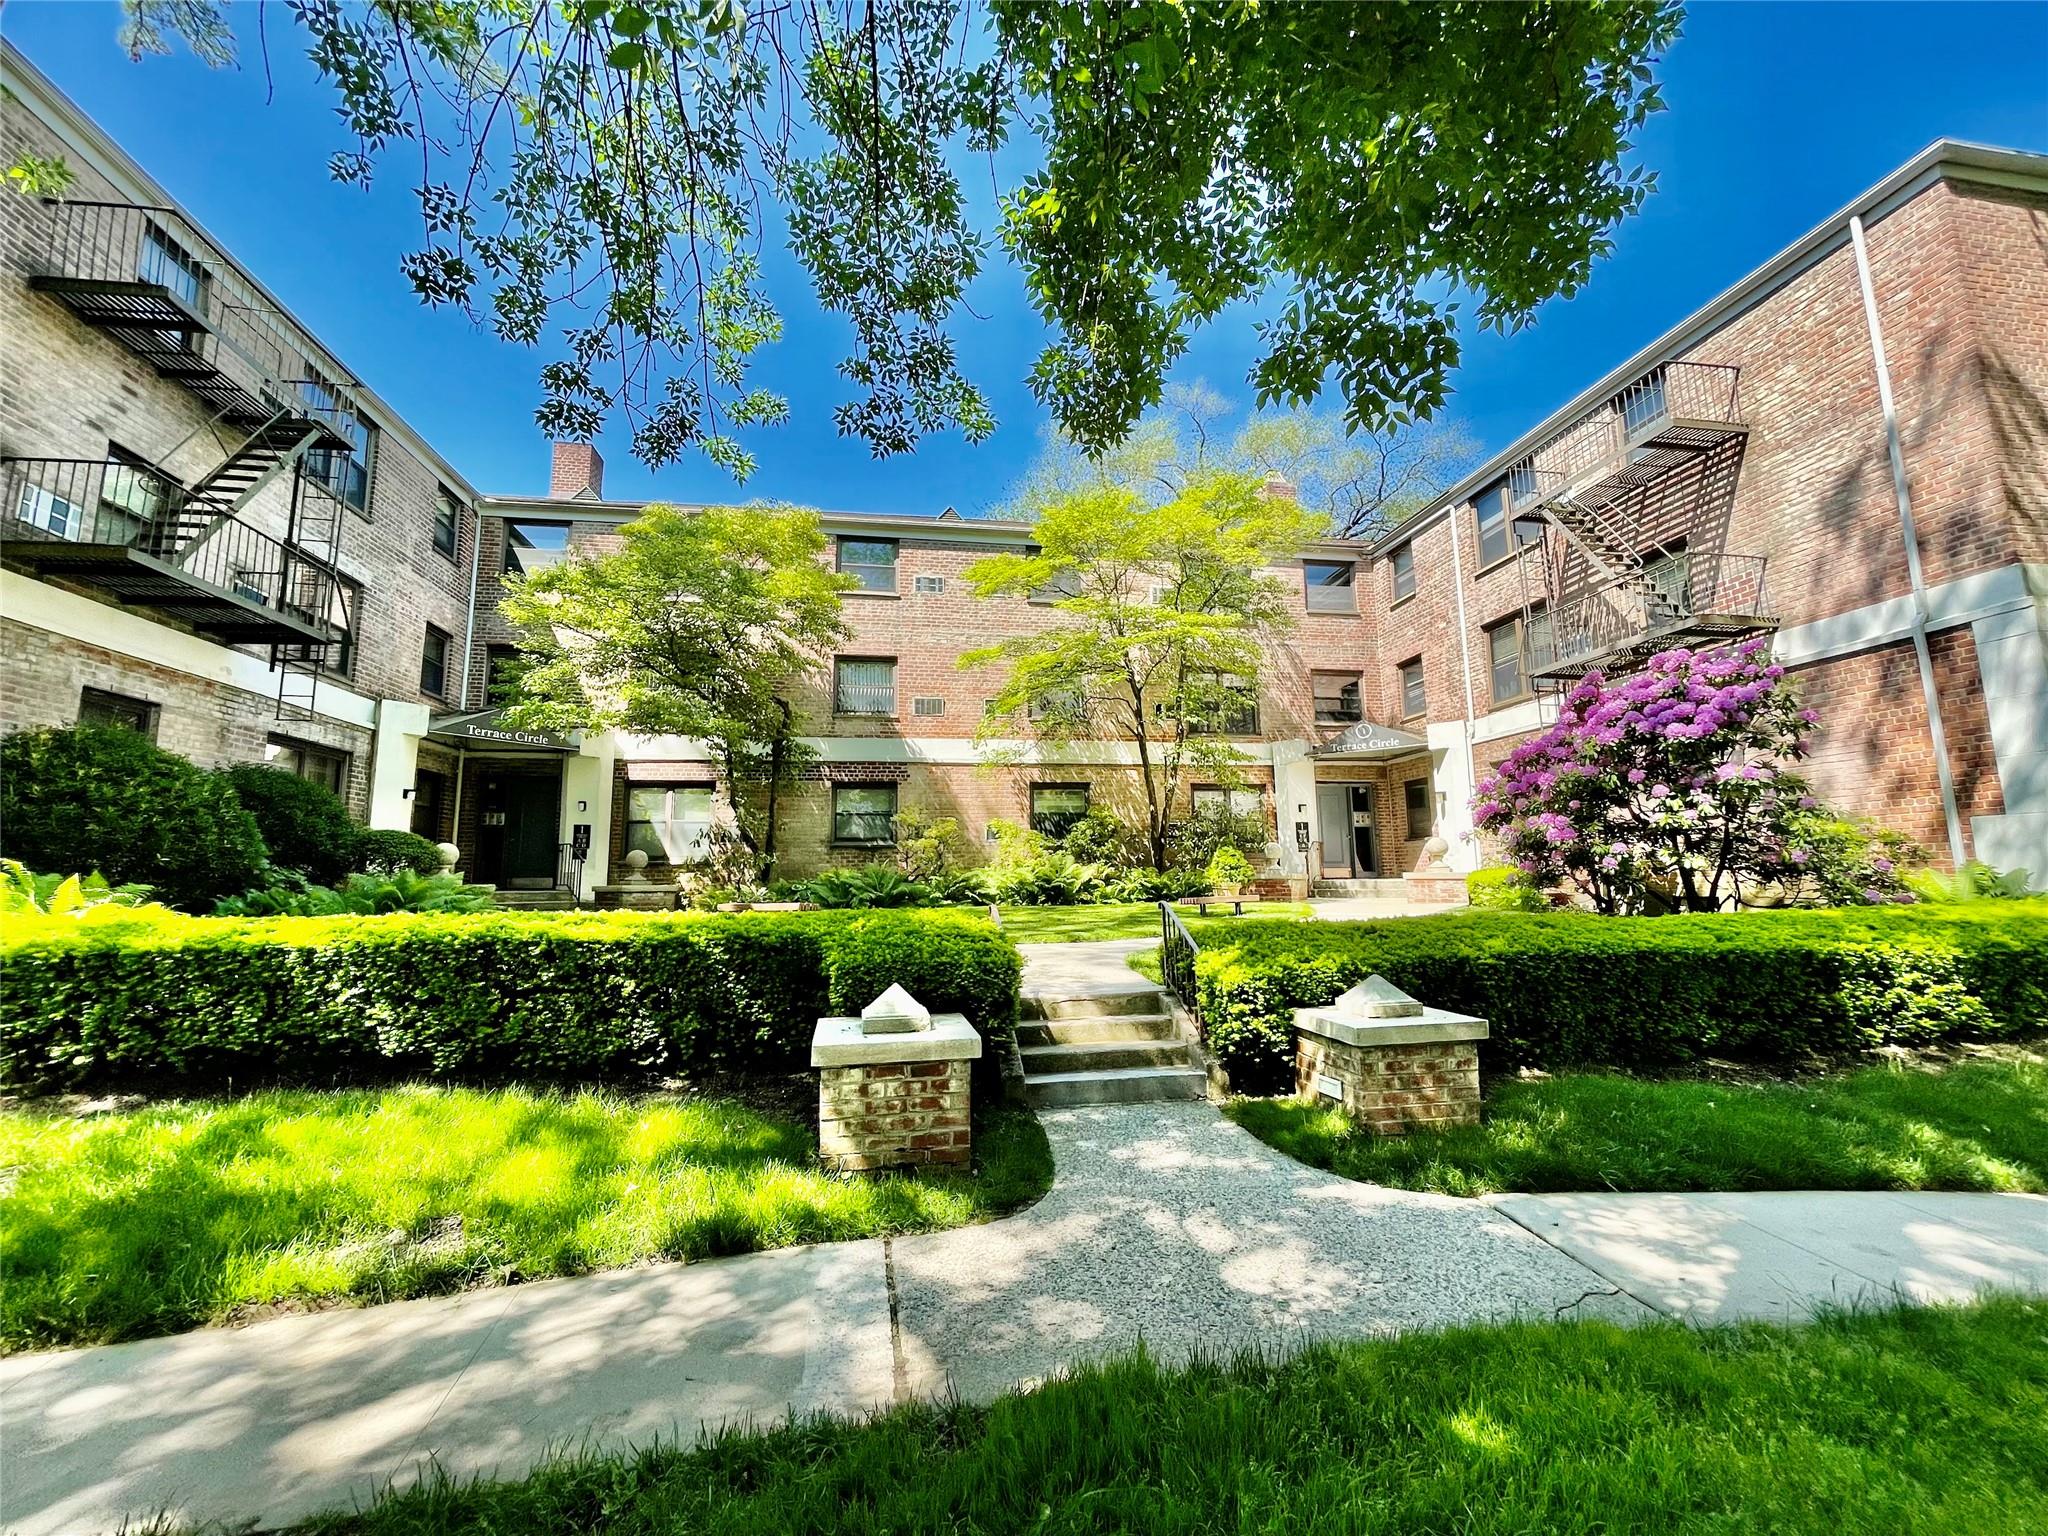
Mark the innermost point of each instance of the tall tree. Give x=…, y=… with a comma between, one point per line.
x=1365, y=481
x=1163, y=610
x=611, y=167
x=700, y=624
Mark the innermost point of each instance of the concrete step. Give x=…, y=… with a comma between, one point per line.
x=1102, y=1056
x=534, y=901
x=1388, y=888
x=1094, y=1005
x=1127, y=1085
x=1122, y=1026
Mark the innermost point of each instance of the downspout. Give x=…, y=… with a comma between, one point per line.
x=1464, y=659
x=1907, y=531
x=476, y=555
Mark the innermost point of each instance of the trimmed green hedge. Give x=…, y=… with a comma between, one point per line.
x=1570, y=989
x=478, y=997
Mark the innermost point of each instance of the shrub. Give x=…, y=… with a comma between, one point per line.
x=184, y=1000
x=874, y=885
x=1100, y=837
x=1566, y=989
x=1050, y=880
x=1502, y=889
x=1228, y=867
x=383, y=852
x=86, y=898
x=1156, y=885
x=1844, y=861
x=927, y=846
x=1191, y=843
x=111, y=800
x=1973, y=882
x=304, y=825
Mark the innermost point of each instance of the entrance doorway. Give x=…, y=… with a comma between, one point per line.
x=1349, y=818
x=518, y=825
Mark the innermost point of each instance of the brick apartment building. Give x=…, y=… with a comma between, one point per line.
x=211, y=531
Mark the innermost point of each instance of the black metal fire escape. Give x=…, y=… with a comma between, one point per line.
x=1628, y=577
x=148, y=281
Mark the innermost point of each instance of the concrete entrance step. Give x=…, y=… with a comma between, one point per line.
x=1102, y=1004
x=1101, y=1056
x=1125, y=1085
x=1394, y=888
x=534, y=901
x=1120, y=1026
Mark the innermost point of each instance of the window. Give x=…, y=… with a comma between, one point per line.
x=1210, y=798
x=429, y=796
x=132, y=493
x=1414, y=693
x=928, y=586
x=250, y=582
x=98, y=707
x=1328, y=586
x=864, y=813
x=1061, y=584
x=1514, y=648
x=871, y=562
x=447, y=522
x=345, y=472
x=434, y=663
x=1063, y=708
x=1643, y=403
x=1056, y=807
x=1404, y=572
x=1492, y=506
x=670, y=823
x=502, y=666
x=1340, y=698
x=316, y=764
x=50, y=512
x=1669, y=577
x=1229, y=705
x=863, y=687
x=169, y=265
x=1415, y=798
x=344, y=600
x=533, y=547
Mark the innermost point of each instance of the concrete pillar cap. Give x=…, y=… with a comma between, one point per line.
x=1377, y=998
x=895, y=1012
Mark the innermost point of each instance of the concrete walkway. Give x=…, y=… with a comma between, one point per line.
x=1166, y=1224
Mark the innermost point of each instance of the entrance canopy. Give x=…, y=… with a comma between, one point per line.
x=479, y=730
x=1366, y=742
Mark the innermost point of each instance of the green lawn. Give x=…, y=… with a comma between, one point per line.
x=1927, y=1422
x=177, y=1214
x=1114, y=920
x=1977, y=1125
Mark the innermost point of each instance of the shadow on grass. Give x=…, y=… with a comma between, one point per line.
x=1976, y=1126
x=162, y=1218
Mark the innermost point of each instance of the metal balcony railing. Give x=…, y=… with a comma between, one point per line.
x=1675, y=406
x=146, y=275
x=114, y=525
x=1686, y=599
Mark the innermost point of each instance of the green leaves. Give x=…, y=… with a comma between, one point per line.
x=611, y=167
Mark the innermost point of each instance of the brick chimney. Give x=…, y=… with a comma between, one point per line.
x=1276, y=488
x=578, y=473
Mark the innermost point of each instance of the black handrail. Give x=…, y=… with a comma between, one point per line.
x=1177, y=951
x=112, y=503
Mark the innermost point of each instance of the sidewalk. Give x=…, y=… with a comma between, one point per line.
x=1166, y=1224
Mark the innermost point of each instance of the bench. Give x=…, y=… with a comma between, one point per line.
x=1202, y=904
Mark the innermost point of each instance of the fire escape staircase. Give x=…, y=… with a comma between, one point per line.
x=1590, y=482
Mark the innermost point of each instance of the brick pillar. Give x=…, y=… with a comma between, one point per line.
x=1414, y=1068
x=893, y=1115
x=894, y=1099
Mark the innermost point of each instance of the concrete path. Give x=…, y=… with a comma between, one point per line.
x=1094, y=968
x=1166, y=1224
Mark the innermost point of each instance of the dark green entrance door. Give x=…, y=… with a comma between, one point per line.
x=519, y=817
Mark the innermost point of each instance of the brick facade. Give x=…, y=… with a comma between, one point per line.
x=1394, y=1088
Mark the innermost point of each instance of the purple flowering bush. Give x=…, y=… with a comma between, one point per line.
x=1672, y=789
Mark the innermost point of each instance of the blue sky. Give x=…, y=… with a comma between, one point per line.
x=1778, y=115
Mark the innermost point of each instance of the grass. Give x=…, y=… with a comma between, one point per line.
x=1979, y=1125
x=1113, y=920
x=187, y=1212
x=1929, y=1422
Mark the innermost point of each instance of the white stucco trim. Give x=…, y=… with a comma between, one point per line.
x=944, y=752
x=1980, y=595
x=42, y=606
